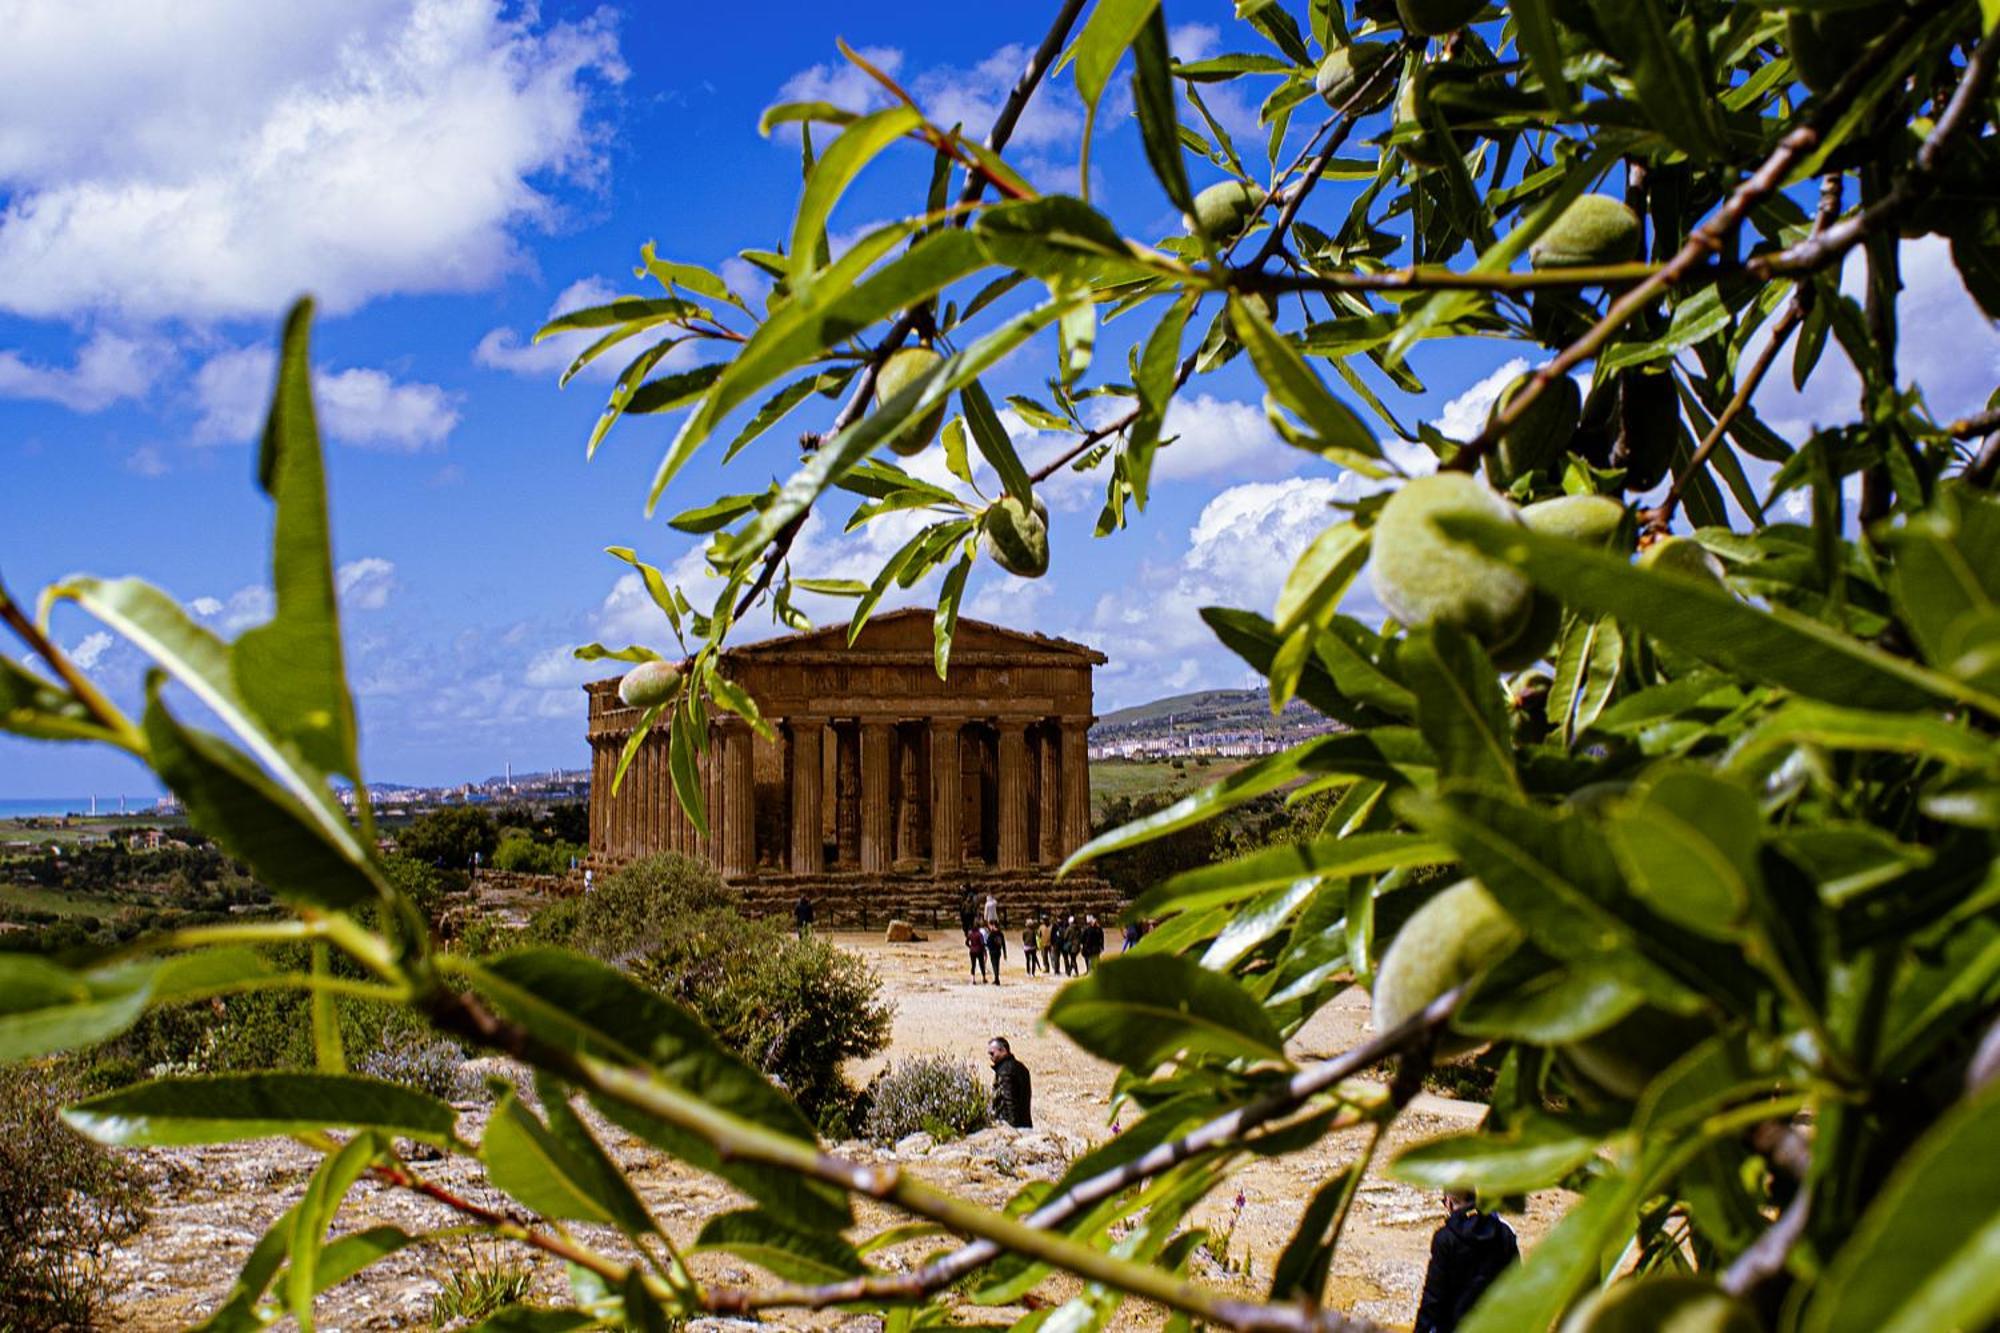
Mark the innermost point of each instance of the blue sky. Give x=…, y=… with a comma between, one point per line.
x=445, y=173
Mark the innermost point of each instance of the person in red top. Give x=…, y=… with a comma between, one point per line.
x=975, y=944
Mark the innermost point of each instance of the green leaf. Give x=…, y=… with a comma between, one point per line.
x=289, y=671
x=201, y=662
x=682, y=766
x=995, y=445
x=1303, y=1265
x=841, y=452
x=1338, y=432
x=562, y=1180
x=313, y=1214
x=786, y=1252
x=1689, y=843
x=1159, y=120
x=713, y=516
x=857, y=145
x=1556, y=878
x=584, y=1005
x=837, y=308
x=1057, y=238
x=36, y=708
x=1461, y=709
x=1587, y=663
x=45, y=1007
x=234, y=802
x=1113, y=26
x=1321, y=575
x=638, y=312
x=945, y=623
x=1926, y=1251
x=676, y=390
x=693, y=277
x=1552, y=1005
x=1534, y=1293
x=1143, y=1009
x=341, y=1259
x=631, y=652
x=1233, y=881
x=1256, y=641
x=1537, y=1156
x=624, y=390
x=1773, y=645
x=1536, y=36
x=1667, y=62
x=775, y=409
x=225, y=1108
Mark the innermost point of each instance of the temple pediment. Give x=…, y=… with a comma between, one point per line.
x=910, y=631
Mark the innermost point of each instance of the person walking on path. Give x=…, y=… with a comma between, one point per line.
x=991, y=916
x=1073, y=945
x=1093, y=943
x=996, y=949
x=975, y=944
x=1058, y=946
x=1029, y=942
x=802, y=914
x=1468, y=1252
x=1011, y=1089
x=1132, y=933
x=1051, y=930
x=968, y=912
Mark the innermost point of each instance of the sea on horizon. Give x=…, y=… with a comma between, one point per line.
x=44, y=806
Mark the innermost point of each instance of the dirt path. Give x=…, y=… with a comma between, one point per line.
x=217, y=1201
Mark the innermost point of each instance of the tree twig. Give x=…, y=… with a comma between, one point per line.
x=1709, y=239
x=1765, y=1258
x=1429, y=277
x=864, y=385
x=102, y=710
x=1976, y=425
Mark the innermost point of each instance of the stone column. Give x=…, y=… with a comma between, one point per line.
x=1048, y=792
x=847, y=794
x=739, y=799
x=877, y=833
x=947, y=799
x=1075, y=783
x=913, y=825
x=1013, y=794
x=808, y=850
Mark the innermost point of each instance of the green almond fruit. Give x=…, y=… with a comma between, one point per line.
x=1345, y=69
x=1589, y=520
x=1823, y=47
x=1018, y=537
x=1540, y=436
x=1538, y=634
x=1683, y=558
x=1421, y=149
x=1627, y=1056
x=1649, y=428
x=905, y=367
x=1594, y=229
x=1435, y=18
x=1667, y=1303
x=1223, y=210
x=1451, y=939
x=1423, y=577
x=649, y=683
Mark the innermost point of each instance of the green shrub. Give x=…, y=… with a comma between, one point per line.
x=449, y=837
x=481, y=1285
x=795, y=1008
x=518, y=851
x=63, y=1201
x=936, y=1094
x=628, y=912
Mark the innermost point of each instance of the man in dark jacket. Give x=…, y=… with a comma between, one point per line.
x=1010, y=1086
x=1092, y=944
x=1470, y=1250
x=802, y=914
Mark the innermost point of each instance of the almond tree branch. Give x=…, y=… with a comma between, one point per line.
x=1976, y=425
x=1427, y=277
x=1711, y=238
x=864, y=384
x=1660, y=519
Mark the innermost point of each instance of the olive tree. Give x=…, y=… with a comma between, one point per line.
x=1700, y=845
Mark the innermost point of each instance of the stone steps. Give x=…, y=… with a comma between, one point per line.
x=927, y=903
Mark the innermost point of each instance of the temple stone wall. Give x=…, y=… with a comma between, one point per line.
x=881, y=776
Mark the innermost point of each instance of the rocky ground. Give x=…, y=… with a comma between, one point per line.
x=216, y=1202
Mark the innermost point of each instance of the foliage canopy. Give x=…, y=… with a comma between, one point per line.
x=1742, y=825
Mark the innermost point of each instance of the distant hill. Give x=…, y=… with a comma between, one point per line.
x=1203, y=710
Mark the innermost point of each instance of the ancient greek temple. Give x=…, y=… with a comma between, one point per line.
x=881, y=771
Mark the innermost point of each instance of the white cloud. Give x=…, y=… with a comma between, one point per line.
x=1945, y=345
x=360, y=406
x=91, y=650
x=949, y=95
x=109, y=368
x=147, y=461
x=365, y=584
x=247, y=606
x=212, y=158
